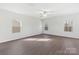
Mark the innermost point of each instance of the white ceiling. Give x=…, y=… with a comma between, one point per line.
x=34, y=9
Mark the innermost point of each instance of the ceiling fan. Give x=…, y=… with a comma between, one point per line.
x=45, y=12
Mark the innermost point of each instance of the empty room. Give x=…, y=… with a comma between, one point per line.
x=39, y=28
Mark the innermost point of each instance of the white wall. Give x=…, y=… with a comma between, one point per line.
x=30, y=26
x=56, y=25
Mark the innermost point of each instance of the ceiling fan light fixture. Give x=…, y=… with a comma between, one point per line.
x=43, y=13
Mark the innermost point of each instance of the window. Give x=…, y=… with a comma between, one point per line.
x=16, y=26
